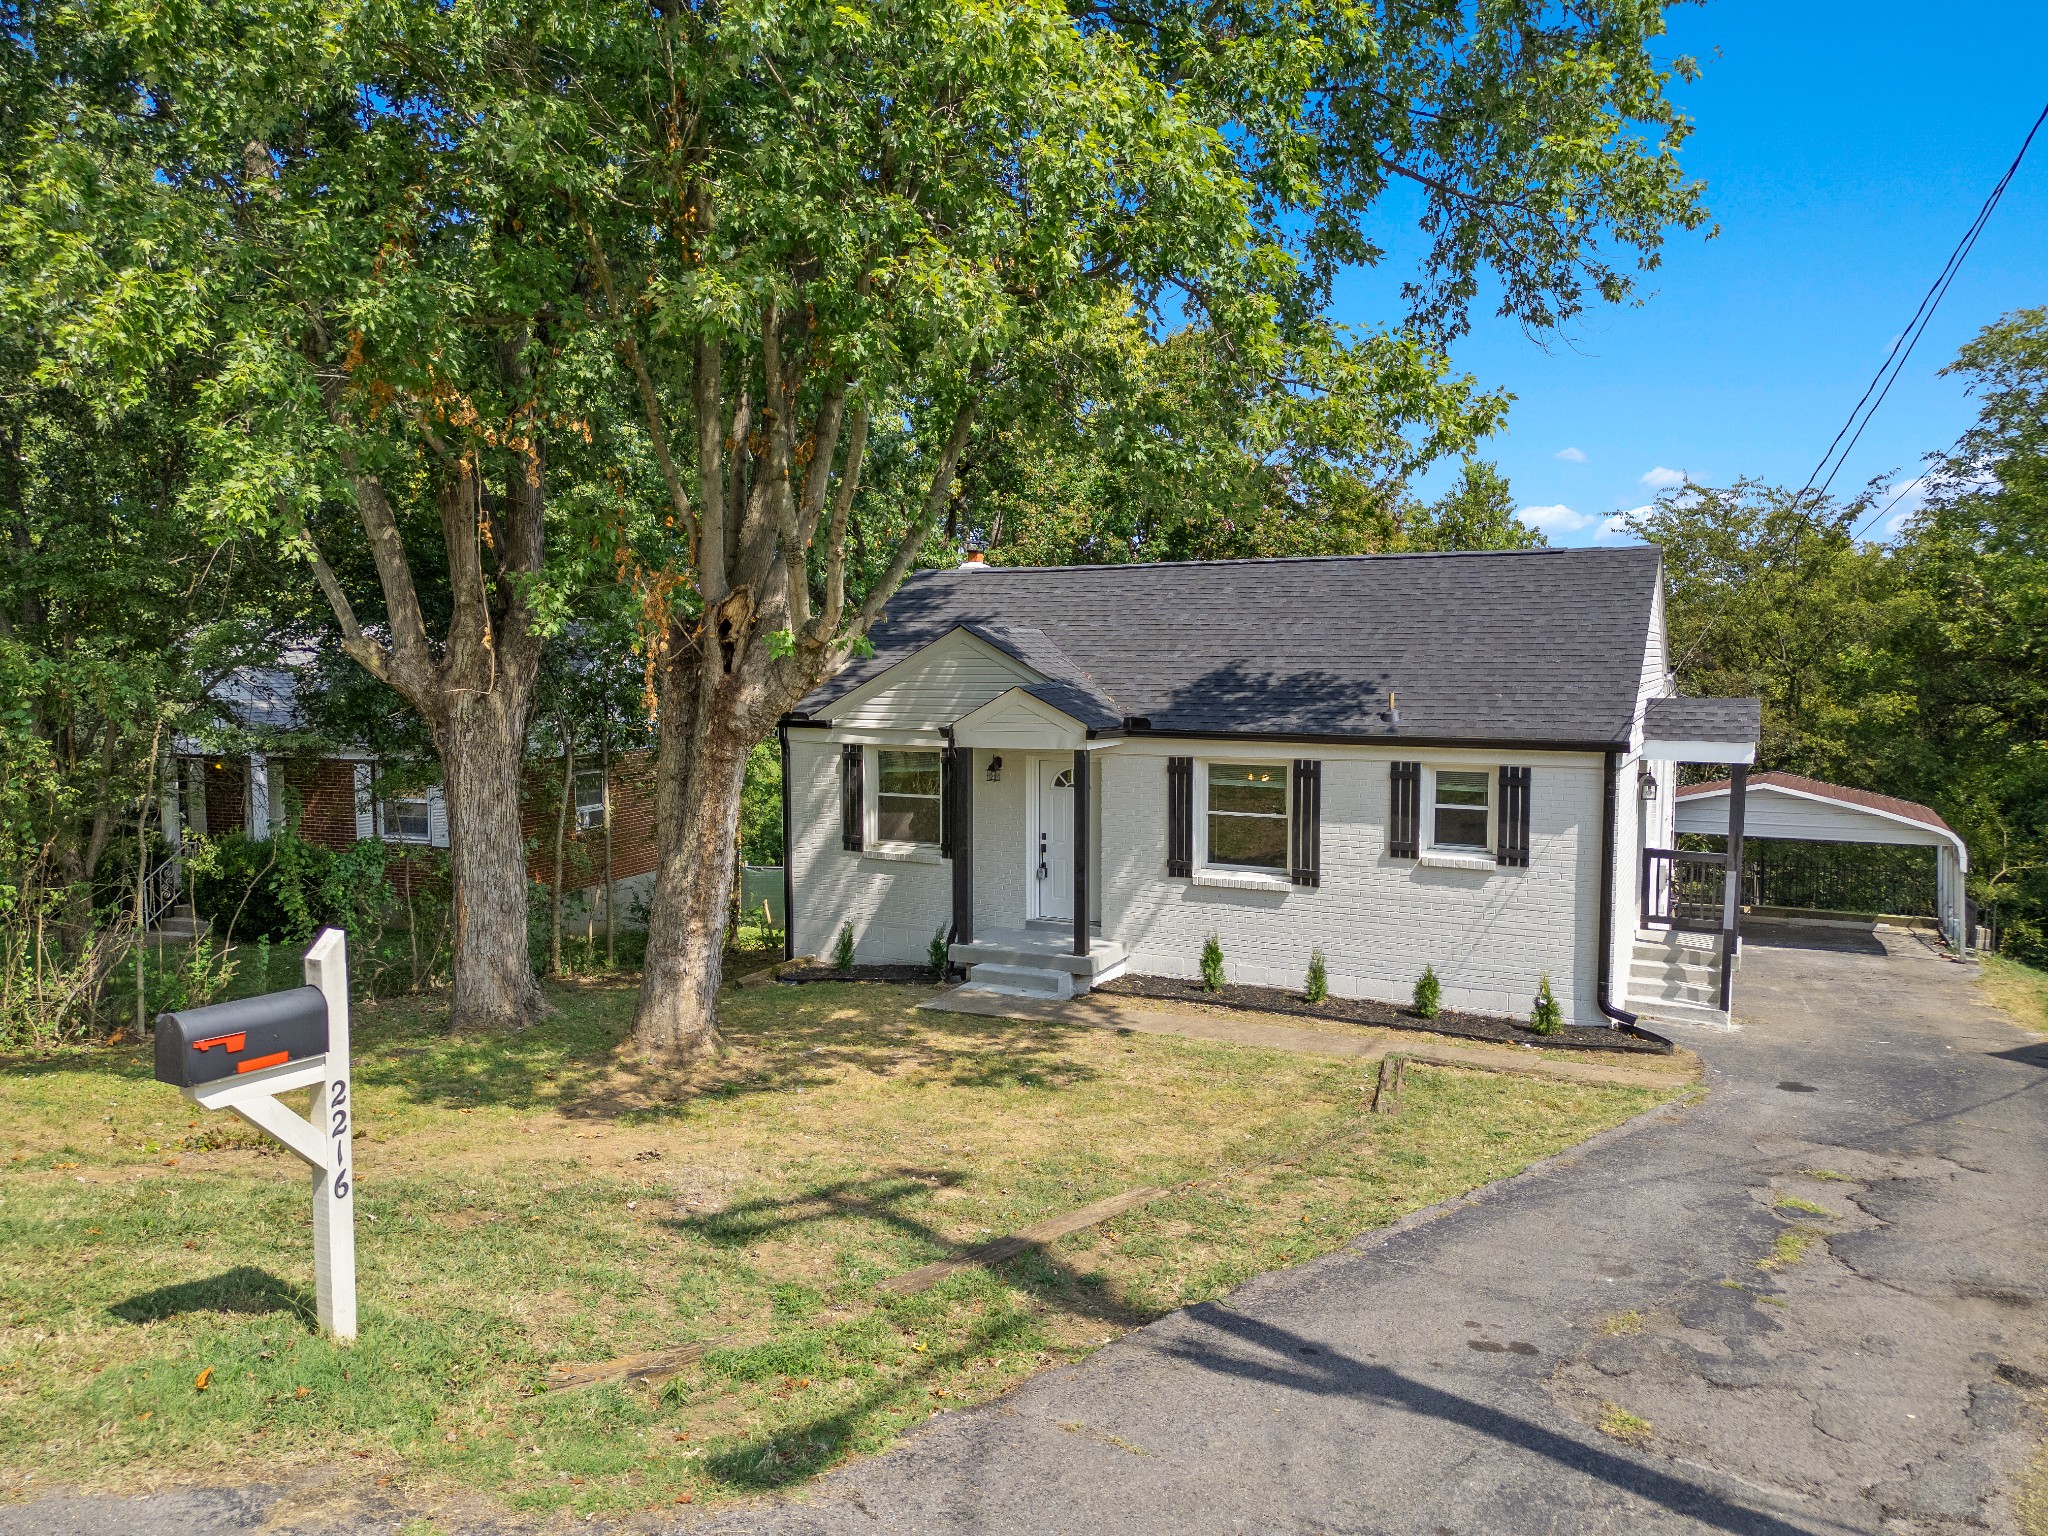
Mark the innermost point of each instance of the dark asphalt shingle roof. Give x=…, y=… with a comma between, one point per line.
x=1704, y=719
x=1536, y=646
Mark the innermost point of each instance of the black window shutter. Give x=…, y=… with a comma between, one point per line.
x=1511, y=846
x=1404, y=822
x=852, y=798
x=949, y=798
x=1180, y=816
x=1308, y=822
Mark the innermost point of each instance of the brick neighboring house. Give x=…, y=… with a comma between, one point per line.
x=334, y=799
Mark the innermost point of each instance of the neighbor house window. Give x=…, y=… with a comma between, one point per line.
x=1248, y=815
x=1460, y=809
x=590, y=799
x=906, y=796
x=406, y=819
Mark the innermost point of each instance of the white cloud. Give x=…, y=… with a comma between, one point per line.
x=1571, y=455
x=1557, y=520
x=1662, y=479
x=1612, y=529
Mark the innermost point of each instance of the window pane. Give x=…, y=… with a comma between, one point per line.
x=908, y=773
x=1457, y=827
x=907, y=818
x=1253, y=789
x=589, y=799
x=1461, y=788
x=1259, y=841
x=405, y=818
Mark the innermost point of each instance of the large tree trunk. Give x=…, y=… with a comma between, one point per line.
x=482, y=741
x=705, y=742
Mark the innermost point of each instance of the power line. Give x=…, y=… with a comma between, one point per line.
x=1902, y=349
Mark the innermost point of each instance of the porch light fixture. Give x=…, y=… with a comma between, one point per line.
x=1646, y=781
x=995, y=770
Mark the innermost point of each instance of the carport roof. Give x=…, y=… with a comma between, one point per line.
x=1907, y=810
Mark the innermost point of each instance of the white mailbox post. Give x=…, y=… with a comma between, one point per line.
x=241, y=1055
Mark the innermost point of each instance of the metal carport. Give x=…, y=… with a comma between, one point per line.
x=1784, y=805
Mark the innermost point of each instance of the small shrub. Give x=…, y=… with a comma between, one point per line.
x=1317, y=986
x=842, y=950
x=1547, y=1018
x=938, y=957
x=1212, y=964
x=1429, y=994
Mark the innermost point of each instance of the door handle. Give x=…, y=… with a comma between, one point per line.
x=1041, y=855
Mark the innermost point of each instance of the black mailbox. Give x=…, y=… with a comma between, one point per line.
x=202, y=1045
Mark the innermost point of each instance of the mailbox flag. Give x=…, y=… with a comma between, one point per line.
x=203, y=1045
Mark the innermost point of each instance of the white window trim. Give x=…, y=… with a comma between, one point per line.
x=1243, y=877
x=384, y=830
x=871, y=812
x=604, y=799
x=1460, y=855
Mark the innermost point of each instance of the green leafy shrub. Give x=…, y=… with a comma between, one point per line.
x=1318, y=985
x=1212, y=964
x=842, y=949
x=1429, y=994
x=938, y=956
x=1546, y=1018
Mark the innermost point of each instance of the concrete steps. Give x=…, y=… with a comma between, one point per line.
x=1037, y=962
x=1042, y=981
x=1676, y=977
x=180, y=925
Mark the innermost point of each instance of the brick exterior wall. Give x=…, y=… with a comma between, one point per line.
x=320, y=794
x=632, y=808
x=1490, y=932
x=227, y=795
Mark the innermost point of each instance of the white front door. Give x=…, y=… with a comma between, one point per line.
x=1052, y=860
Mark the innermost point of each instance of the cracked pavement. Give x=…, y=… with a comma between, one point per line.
x=1815, y=1301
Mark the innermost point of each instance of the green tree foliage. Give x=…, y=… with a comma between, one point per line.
x=1916, y=668
x=1476, y=513
x=491, y=287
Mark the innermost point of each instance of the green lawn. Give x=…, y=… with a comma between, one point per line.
x=530, y=1200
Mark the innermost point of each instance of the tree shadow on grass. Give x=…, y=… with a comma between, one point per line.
x=781, y=1038
x=243, y=1289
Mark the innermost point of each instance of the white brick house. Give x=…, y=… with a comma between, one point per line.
x=1457, y=760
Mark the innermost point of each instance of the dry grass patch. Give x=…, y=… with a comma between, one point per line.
x=534, y=1199
x=2020, y=991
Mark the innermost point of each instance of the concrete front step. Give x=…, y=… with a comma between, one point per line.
x=1673, y=1011
x=1044, y=950
x=1046, y=981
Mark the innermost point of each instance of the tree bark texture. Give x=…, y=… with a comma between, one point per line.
x=474, y=689
x=482, y=744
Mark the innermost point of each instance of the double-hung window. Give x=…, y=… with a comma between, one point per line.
x=590, y=799
x=907, y=796
x=1458, y=816
x=1247, y=815
x=407, y=819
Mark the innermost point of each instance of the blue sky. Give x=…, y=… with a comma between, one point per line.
x=1845, y=148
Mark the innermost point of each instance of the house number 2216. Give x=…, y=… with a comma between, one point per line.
x=339, y=1129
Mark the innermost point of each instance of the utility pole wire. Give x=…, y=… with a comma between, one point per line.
x=1902, y=349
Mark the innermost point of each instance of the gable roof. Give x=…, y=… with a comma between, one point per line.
x=1842, y=794
x=1676, y=719
x=1543, y=647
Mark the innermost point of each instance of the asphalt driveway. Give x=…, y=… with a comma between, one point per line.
x=1866, y=1369
x=1449, y=1375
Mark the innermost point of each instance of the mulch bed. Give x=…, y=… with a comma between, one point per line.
x=901, y=975
x=1358, y=1010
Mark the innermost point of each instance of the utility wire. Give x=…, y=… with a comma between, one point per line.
x=1902, y=349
